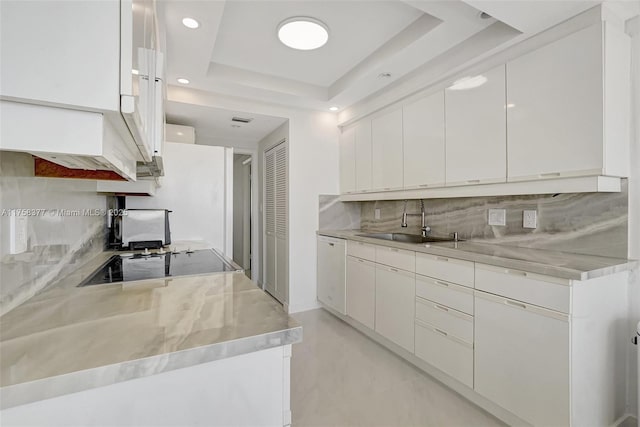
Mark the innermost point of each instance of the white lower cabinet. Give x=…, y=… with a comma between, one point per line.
x=331, y=273
x=522, y=359
x=395, y=305
x=446, y=352
x=361, y=291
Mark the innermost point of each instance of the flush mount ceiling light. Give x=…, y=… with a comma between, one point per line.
x=190, y=23
x=303, y=33
x=183, y=81
x=468, y=83
x=334, y=108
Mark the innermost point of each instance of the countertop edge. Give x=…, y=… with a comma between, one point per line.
x=529, y=266
x=73, y=382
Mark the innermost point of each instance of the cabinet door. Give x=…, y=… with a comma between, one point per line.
x=331, y=273
x=395, y=305
x=347, y=161
x=363, y=156
x=386, y=140
x=522, y=359
x=423, y=142
x=555, y=120
x=476, y=132
x=361, y=291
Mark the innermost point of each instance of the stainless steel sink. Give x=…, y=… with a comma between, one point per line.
x=407, y=238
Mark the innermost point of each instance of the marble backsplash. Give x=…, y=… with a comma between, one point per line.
x=585, y=223
x=60, y=239
x=337, y=215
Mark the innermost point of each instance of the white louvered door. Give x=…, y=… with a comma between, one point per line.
x=276, y=222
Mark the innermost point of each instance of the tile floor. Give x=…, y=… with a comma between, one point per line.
x=339, y=377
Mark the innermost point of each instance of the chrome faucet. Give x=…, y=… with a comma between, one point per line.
x=423, y=223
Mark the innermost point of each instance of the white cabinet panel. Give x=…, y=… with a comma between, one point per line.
x=347, y=161
x=450, y=355
x=452, y=322
x=361, y=250
x=555, y=127
x=395, y=305
x=423, y=142
x=522, y=359
x=386, y=140
x=363, y=155
x=331, y=273
x=544, y=291
x=398, y=258
x=476, y=132
x=457, y=297
x=361, y=291
x=445, y=268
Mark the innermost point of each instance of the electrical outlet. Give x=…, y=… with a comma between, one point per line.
x=17, y=234
x=377, y=214
x=529, y=219
x=497, y=217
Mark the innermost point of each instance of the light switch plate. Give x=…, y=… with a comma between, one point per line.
x=497, y=217
x=377, y=214
x=529, y=219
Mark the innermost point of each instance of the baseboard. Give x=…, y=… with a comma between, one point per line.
x=304, y=306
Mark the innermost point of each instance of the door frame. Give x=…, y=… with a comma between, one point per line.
x=256, y=252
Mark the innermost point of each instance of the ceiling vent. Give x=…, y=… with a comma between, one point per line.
x=241, y=120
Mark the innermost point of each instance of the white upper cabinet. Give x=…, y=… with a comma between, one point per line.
x=475, y=131
x=96, y=57
x=347, y=161
x=423, y=142
x=387, y=158
x=568, y=102
x=363, y=155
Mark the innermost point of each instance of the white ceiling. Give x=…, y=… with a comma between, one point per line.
x=235, y=52
x=214, y=126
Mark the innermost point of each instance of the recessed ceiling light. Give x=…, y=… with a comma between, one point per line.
x=135, y=72
x=183, y=81
x=468, y=83
x=334, y=108
x=303, y=33
x=190, y=23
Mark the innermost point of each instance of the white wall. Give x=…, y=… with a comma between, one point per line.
x=194, y=189
x=313, y=159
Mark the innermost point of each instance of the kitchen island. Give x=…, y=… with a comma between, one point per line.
x=194, y=350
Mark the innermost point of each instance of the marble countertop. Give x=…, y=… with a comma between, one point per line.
x=68, y=339
x=551, y=263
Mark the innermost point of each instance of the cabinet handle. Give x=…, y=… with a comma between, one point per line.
x=393, y=269
x=442, y=258
x=439, y=307
x=438, y=282
x=440, y=332
x=360, y=260
x=516, y=273
x=423, y=185
x=331, y=244
x=543, y=175
x=387, y=188
x=515, y=304
x=473, y=181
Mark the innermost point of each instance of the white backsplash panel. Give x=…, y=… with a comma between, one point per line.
x=65, y=227
x=585, y=223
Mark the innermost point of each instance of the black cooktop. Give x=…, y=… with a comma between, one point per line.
x=127, y=267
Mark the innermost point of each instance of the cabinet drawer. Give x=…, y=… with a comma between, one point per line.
x=361, y=250
x=445, y=268
x=454, y=296
x=544, y=291
x=452, y=322
x=449, y=354
x=398, y=258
